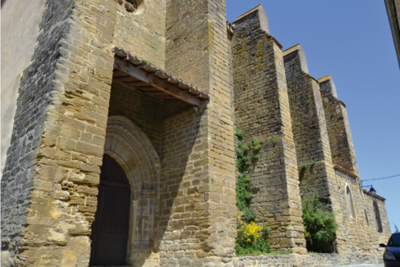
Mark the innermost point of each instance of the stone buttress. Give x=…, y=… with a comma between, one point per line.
x=359, y=224
x=202, y=226
x=262, y=111
x=74, y=104
x=338, y=126
x=323, y=145
x=309, y=126
x=310, y=132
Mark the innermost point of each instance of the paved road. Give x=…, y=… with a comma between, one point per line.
x=361, y=265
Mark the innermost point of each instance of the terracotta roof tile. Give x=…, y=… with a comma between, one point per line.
x=374, y=195
x=160, y=73
x=345, y=170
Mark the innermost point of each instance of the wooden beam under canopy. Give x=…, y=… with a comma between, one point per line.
x=152, y=80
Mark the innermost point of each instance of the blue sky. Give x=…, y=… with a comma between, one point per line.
x=352, y=41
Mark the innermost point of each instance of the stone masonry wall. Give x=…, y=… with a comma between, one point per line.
x=262, y=111
x=341, y=142
x=376, y=236
x=19, y=40
x=188, y=41
x=67, y=129
x=308, y=260
x=144, y=110
x=198, y=52
x=311, y=135
x=364, y=240
x=184, y=219
x=309, y=127
x=53, y=164
x=354, y=226
x=314, y=129
x=143, y=32
x=35, y=95
x=222, y=180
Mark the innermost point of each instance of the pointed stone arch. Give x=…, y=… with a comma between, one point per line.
x=350, y=202
x=132, y=149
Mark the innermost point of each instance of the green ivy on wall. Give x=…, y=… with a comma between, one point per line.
x=252, y=238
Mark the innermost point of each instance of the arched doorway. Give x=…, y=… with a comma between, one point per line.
x=110, y=229
x=130, y=149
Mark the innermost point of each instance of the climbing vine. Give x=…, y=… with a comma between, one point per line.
x=249, y=240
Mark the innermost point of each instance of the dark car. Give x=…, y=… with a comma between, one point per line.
x=391, y=257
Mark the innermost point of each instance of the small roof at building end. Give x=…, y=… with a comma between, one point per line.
x=373, y=195
x=146, y=77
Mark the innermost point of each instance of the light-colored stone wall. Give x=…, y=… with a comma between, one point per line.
x=19, y=32
x=185, y=214
x=142, y=32
x=60, y=137
x=262, y=112
x=67, y=167
x=376, y=236
x=187, y=26
x=221, y=181
x=314, y=121
x=308, y=118
x=308, y=260
x=18, y=173
x=357, y=234
x=341, y=142
x=144, y=110
x=361, y=233
x=356, y=228
x=197, y=51
x=309, y=129
x=318, y=127
x=49, y=187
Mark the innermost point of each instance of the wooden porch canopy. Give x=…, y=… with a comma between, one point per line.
x=144, y=76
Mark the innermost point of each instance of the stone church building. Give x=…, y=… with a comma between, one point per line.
x=117, y=139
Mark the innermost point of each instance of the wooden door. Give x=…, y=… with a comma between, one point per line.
x=111, y=226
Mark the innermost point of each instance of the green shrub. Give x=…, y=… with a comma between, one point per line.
x=319, y=225
x=249, y=240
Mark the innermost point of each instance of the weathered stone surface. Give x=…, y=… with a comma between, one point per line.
x=179, y=161
x=262, y=111
x=309, y=260
x=341, y=142
x=18, y=44
x=35, y=94
x=320, y=125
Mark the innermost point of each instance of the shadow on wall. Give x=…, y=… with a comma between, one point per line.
x=181, y=202
x=183, y=175
x=174, y=209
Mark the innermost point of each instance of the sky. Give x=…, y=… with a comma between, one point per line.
x=352, y=41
